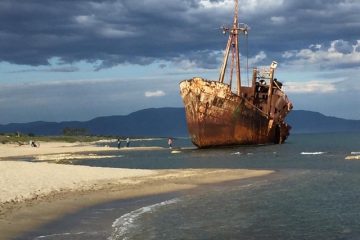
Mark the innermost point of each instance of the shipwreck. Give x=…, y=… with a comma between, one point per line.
x=219, y=115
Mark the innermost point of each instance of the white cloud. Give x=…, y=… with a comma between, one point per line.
x=263, y=4
x=278, y=20
x=186, y=64
x=157, y=93
x=340, y=53
x=198, y=60
x=228, y=4
x=115, y=33
x=245, y=5
x=86, y=20
x=315, y=46
x=288, y=54
x=103, y=28
x=310, y=87
x=257, y=58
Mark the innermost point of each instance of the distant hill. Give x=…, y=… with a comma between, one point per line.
x=313, y=122
x=163, y=122
x=148, y=122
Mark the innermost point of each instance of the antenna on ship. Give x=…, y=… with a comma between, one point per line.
x=233, y=46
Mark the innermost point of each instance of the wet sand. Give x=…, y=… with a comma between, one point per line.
x=35, y=193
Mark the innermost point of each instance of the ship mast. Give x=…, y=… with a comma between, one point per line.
x=233, y=46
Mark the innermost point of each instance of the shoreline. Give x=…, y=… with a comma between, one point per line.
x=19, y=218
x=12, y=151
x=36, y=193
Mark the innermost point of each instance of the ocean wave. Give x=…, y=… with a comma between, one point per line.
x=124, y=224
x=175, y=151
x=72, y=156
x=240, y=153
x=312, y=153
x=60, y=234
x=355, y=153
x=236, y=153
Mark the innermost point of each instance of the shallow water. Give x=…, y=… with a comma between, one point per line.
x=313, y=195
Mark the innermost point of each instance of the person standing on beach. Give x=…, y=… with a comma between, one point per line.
x=119, y=143
x=170, y=142
x=127, y=142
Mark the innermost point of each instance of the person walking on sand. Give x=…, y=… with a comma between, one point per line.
x=127, y=142
x=170, y=143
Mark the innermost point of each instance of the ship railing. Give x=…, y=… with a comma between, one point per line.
x=255, y=107
x=251, y=102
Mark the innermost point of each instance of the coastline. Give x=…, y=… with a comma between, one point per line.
x=39, y=192
x=8, y=151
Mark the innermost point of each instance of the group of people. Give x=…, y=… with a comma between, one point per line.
x=119, y=142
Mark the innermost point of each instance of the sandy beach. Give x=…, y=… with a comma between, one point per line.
x=33, y=193
x=14, y=150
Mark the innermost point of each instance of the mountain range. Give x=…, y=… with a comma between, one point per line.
x=163, y=122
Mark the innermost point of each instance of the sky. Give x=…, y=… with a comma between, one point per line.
x=65, y=60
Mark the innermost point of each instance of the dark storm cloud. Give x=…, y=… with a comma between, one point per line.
x=139, y=32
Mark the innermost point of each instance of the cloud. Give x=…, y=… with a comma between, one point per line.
x=339, y=54
x=257, y=59
x=334, y=83
x=63, y=69
x=278, y=20
x=110, y=32
x=86, y=20
x=142, y=32
x=317, y=87
x=103, y=28
x=205, y=59
x=246, y=5
x=337, y=97
x=157, y=93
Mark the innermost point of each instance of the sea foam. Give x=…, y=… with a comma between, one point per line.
x=312, y=153
x=124, y=224
x=60, y=235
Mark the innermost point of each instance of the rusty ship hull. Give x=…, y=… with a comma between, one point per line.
x=216, y=116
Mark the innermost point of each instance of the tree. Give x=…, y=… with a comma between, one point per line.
x=75, y=131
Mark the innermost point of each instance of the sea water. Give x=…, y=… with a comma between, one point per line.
x=314, y=194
